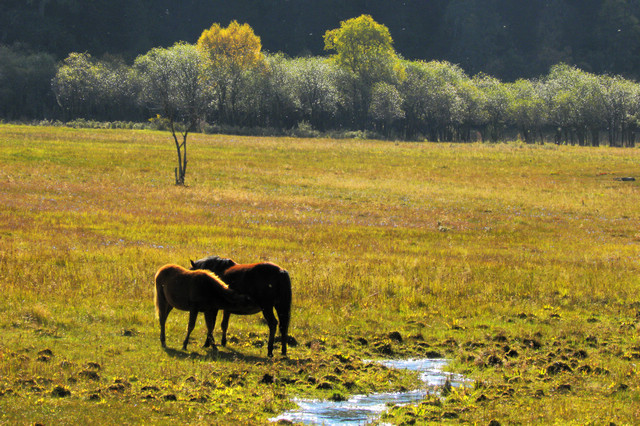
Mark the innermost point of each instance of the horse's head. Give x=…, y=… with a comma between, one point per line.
x=214, y=264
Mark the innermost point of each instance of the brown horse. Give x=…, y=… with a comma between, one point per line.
x=267, y=284
x=194, y=291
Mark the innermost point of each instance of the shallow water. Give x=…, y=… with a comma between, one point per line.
x=360, y=409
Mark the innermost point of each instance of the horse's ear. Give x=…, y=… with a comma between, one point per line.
x=192, y=264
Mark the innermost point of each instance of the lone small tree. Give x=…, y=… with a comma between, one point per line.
x=171, y=83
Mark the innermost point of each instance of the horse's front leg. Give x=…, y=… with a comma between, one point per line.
x=193, y=315
x=225, y=326
x=272, y=322
x=210, y=319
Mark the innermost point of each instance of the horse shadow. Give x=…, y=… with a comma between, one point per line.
x=228, y=355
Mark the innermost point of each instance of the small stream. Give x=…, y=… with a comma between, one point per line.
x=360, y=409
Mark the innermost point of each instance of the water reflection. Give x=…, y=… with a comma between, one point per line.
x=360, y=409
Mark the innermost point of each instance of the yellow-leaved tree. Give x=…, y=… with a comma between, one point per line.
x=364, y=48
x=232, y=54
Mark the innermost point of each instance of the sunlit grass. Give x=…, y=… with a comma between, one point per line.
x=444, y=241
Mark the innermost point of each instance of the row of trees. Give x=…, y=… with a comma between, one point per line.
x=226, y=79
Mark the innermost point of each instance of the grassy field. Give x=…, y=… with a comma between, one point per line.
x=520, y=263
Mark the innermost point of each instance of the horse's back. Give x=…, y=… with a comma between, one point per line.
x=168, y=272
x=262, y=281
x=266, y=269
x=181, y=286
x=254, y=272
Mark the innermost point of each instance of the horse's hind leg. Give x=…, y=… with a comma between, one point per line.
x=210, y=319
x=272, y=322
x=283, y=316
x=193, y=315
x=225, y=325
x=163, y=313
x=162, y=309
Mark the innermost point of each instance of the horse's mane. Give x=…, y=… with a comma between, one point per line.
x=216, y=279
x=213, y=263
x=220, y=259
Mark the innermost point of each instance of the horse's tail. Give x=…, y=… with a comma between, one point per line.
x=283, y=304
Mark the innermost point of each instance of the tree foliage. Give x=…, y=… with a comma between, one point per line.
x=386, y=106
x=433, y=99
x=25, y=83
x=314, y=82
x=364, y=49
x=91, y=89
x=235, y=47
x=232, y=55
x=76, y=85
x=362, y=46
x=527, y=109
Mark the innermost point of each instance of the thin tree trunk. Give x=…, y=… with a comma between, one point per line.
x=182, y=157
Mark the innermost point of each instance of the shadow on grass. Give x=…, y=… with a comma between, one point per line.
x=228, y=355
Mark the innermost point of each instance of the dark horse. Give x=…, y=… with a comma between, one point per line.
x=267, y=284
x=194, y=291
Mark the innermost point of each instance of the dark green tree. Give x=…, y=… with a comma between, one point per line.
x=25, y=83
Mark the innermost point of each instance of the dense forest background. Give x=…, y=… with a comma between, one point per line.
x=443, y=70
x=508, y=39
